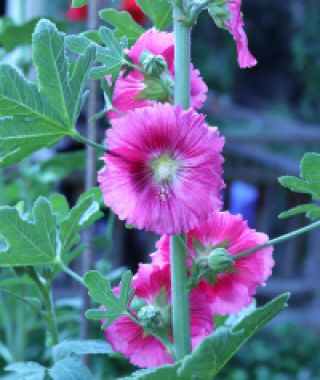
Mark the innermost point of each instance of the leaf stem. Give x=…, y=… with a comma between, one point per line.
x=179, y=267
x=45, y=290
x=71, y=273
x=76, y=136
x=278, y=240
x=133, y=66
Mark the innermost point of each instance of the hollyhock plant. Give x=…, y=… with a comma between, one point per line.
x=135, y=11
x=162, y=169
x=152, y=285
x=235, y=25
x=231, y=291
x=130, y=87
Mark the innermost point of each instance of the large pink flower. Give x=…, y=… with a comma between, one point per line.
x=128, y=87
x=162, y=169
x=152, y=284
x=236, y=27
x=232, y=291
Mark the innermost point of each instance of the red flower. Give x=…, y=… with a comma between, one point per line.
x=132, y=7
x=77, y=14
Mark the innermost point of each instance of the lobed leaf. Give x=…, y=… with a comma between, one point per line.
x=216, y=350
x=312, y=211
x=101, y=292
x=124, y=24
x=79, y=3
x=160, y=12
x=70, y=367
x=80, y=347
x=38, y=115
x=308, y=183
x=27, y=370
x=167, y=372
x=28, y=242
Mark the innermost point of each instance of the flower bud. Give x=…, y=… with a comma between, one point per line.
x=158, y=89
x=137, y=304
x=219, y=260
x=150, y=317
x=154, y=65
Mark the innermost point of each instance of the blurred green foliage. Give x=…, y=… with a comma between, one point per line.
x=285, y=352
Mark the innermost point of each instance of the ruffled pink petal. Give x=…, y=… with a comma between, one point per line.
x=127, y=180
x=232, y=291
x=129, y=339
x=127, y=88
x=236, y=28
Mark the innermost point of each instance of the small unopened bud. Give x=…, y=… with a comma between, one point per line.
x=219, y=260
x=137, y=304
x=150, y=317
x=158, y=89
x=154, y=65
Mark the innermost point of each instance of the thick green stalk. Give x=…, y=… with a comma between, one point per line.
x=49, y=312
x=179, y=276
x=50, y=315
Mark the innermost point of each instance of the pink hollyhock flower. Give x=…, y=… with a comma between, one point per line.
x=230, y=292
x=128, y=87
x=135, y=11
x=163, y=169
x=236, y=27
x=77, y=14
x=152, y=284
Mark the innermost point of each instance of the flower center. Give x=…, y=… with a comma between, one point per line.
x=165, y=169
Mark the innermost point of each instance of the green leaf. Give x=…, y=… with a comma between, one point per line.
x=12, y=35
x=167, y=372
x=310, y=167
x=78, y=81
x=70, y=368
x=82, y=215
x=29, y=242
x=312, y=211
x=37, y=116
x=112, y=54
x=295, y=184
x=124, y=24
x=216, y=350
x=27, y=370
x=79, y=3
x=52, y=67
x=100, y=291
x=80, y=347
x=160, y=12
x=60, y=206
x=308, y=183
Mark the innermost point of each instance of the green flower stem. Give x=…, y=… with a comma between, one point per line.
x=195, y=12
x=45, y=290
x=76, y=136
x=278, y=240
x=179, y=268
x=133, y=66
